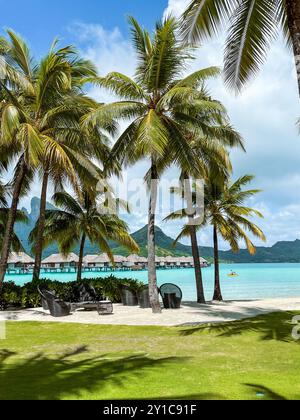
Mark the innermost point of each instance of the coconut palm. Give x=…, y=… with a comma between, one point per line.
x=253, y=26
x=208, y=140
x=226, y=212
x=72, y=147
x=148, y=102
x=20, y=217
x=82, y=218
x=36, y=125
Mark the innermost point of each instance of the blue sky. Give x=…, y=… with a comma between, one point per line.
x=265, y=113
x=40, y=21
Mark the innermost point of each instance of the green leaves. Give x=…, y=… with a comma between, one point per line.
x=20, y=53
x=203, y=18
x=167, y=59
x=79, y=216
x=32, y=143
x=10, y=122
x=253, y=27
x=226, y=210
x=152, y=136
x=121, y=85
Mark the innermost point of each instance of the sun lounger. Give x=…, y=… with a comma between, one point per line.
x=57, y=307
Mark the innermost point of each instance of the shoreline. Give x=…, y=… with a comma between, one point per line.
x=190, y=314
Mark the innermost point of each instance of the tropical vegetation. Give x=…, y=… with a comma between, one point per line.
x=27, y=296
x=83, y=218
x=253, y=26
x=51, y=128
x=230, y=218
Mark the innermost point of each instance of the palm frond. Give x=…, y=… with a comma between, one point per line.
x=203, y=18
x=253, y=27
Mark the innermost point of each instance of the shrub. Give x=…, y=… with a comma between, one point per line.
x=27, y=296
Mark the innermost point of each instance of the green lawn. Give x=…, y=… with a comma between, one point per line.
x=240, y=360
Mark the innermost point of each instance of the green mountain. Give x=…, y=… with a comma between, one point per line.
x=280, y=252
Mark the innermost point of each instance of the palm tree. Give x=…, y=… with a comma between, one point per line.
x=20, y=217
x=36, y=126
x=253, y=26
x=148, y=102
x=82, y=218
x=209, y=144
x=73, y=148
x=230, y=218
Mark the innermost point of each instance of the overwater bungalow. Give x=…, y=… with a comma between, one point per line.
x=59, y=261
x=136, y=261
x=96, y=261
x=102, y=262
x=120, y=261
x=19, y=261
x=160, y=262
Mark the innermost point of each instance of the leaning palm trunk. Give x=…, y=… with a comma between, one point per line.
x=7, y=240
x=41, y=226
x=293, y=18
x=217, y=293
x=80, y=262
x=197, y=265
x=153, y=291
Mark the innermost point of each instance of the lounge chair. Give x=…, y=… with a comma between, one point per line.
x=88, y=299
x=171, y=296
x=44, y=301
x=57, y=307
x=84, y=294
x=128, y=296
x=144, y=298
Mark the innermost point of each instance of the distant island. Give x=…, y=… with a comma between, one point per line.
x=285, y=251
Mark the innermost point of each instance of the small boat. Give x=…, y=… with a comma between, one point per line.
x=233, y=275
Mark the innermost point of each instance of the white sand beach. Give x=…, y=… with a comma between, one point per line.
x=190, y=314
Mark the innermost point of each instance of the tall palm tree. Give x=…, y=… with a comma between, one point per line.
x=35, y=126
x=73, y=148
x=253, y=26
x=20, y=217
x=82, y=218
x=229, y=217
x=148, y=101
x=209, y=143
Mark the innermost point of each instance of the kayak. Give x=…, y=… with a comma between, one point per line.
x=233, y=275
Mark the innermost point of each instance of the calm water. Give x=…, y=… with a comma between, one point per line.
x=254, y=281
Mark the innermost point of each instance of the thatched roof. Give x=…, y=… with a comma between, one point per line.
x=119, y=259
x=60, y=259
x=136, y=259
x=19, y=257
x=96, y=259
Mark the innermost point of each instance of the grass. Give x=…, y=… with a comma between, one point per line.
x=250, y=359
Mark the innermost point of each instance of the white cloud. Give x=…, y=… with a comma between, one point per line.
x=176, y=7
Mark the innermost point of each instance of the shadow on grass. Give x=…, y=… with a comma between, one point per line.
x=264, y=393
x=43, y=378
x=275, y=326
x=192, y=397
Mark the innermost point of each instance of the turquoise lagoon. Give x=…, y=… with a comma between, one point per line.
x=255, y=281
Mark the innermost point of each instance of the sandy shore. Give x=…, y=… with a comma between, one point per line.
x=189, y=314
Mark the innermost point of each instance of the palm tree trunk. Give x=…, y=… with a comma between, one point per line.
x=217, y=292
x=7, y=240
x=152, y=278
x=293, y=18
x=41, y=226
x=197, y=265
x=81, y=253
x=194, y=242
